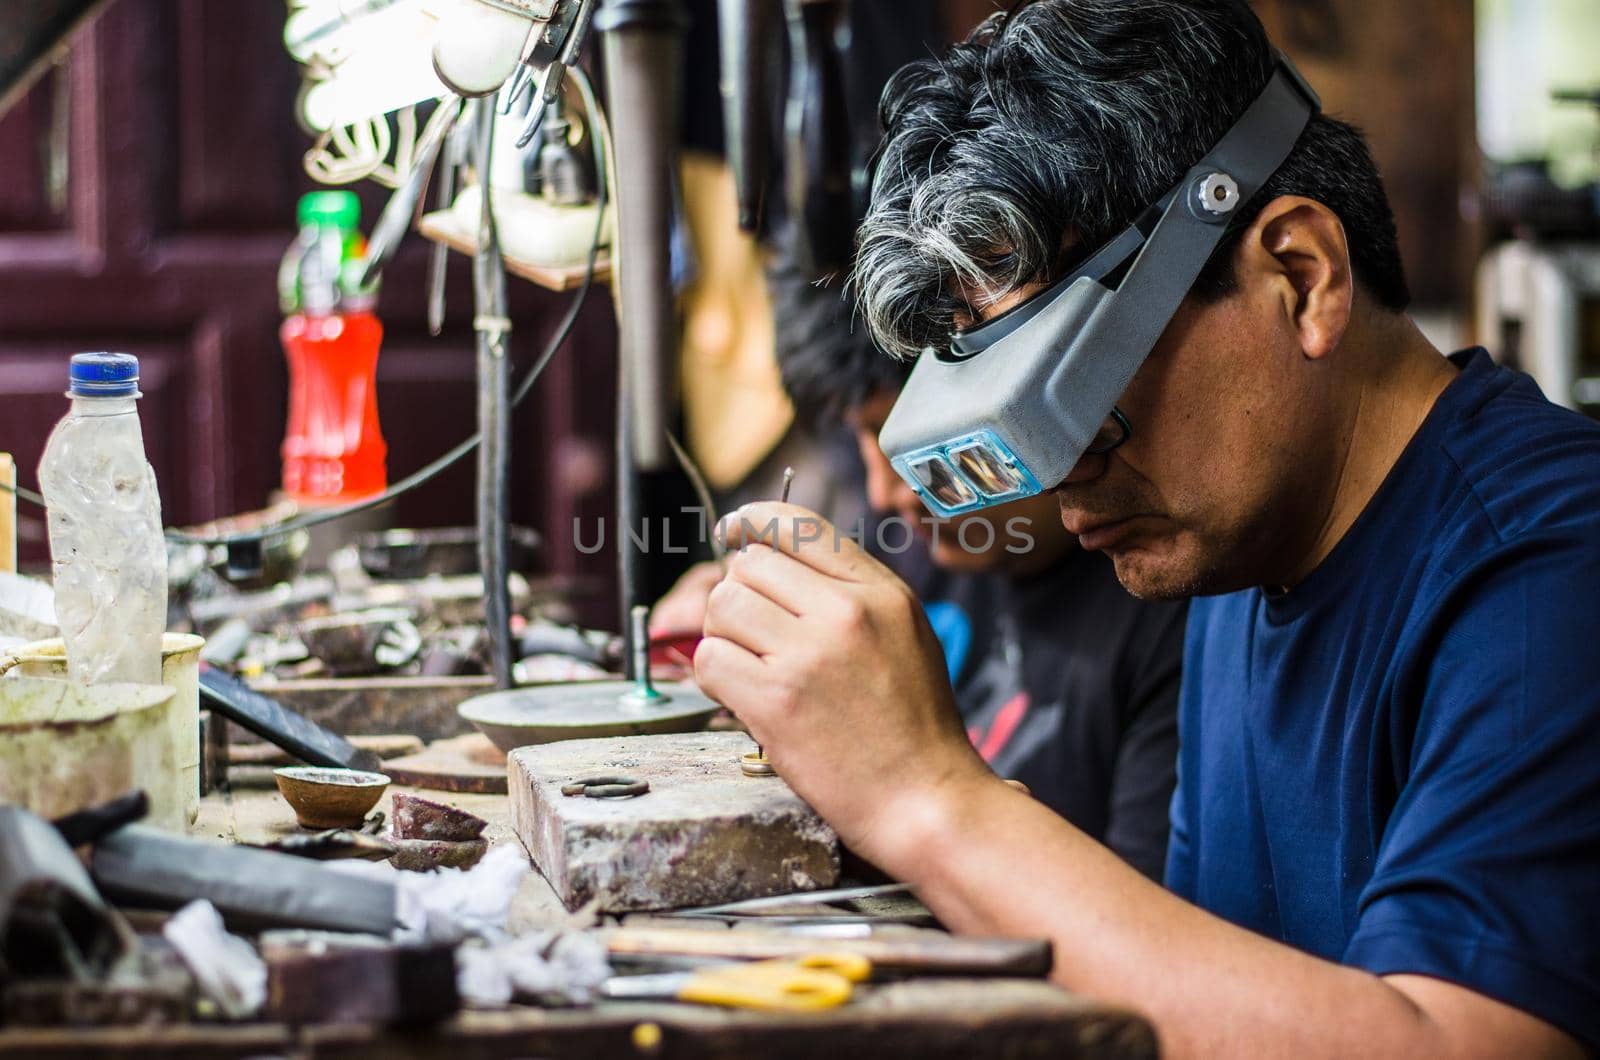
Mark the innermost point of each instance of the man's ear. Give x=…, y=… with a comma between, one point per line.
x=1297, y=248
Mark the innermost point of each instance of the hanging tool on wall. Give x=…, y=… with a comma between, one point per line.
x=817, y=131
x=746, y=28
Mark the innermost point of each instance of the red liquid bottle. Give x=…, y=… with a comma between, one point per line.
x=333, y=450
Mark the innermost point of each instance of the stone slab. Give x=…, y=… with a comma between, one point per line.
x=704, y=834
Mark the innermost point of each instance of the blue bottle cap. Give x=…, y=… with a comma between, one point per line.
x=104, y=375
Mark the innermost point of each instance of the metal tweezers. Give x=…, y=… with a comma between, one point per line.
x=753, y=908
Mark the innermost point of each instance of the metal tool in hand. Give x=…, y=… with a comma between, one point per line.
x=806, y=984
x=756, y=764
x=607, y=787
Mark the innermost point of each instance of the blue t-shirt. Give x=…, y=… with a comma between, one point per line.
x=1396, y=764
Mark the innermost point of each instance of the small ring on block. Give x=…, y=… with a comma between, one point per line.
x=607, y=787
x=755, y=764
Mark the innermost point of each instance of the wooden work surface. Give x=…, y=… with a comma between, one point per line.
x=958, y=1019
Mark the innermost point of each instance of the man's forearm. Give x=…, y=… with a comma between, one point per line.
x=989, y=860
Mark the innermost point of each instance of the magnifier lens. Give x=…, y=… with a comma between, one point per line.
x=987, y=470
x=937, y=478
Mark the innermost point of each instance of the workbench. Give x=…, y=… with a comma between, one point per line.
x=959, y=1019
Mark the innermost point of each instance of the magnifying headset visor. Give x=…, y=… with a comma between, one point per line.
x=1013, y=404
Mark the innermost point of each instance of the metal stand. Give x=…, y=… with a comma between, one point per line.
x=643, y=59
x=494, y=410
x=630, y=514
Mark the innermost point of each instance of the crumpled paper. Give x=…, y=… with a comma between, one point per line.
x=471, y=909
x=225, y=967
x=449, y=906
x=548, y=967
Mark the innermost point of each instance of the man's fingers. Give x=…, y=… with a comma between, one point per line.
x=743, y=615
x=723, y=670
x=801, y=533
x=786, y=581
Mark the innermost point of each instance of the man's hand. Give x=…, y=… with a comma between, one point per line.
x=826, y=656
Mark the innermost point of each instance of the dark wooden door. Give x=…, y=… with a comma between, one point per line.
x=147, y=192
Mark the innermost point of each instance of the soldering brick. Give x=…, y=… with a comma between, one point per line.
x=704, y=834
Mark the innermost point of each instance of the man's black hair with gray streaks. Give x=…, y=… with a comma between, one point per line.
x=829, y=367
x=1024, y=148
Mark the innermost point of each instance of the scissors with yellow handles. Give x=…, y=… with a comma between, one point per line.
x=803, y=984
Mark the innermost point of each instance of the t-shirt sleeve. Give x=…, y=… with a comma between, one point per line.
x=1488, y=871
x=1147, y=756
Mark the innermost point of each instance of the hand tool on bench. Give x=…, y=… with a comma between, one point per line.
x=253, y=889
x=923, y=953
x=756, y=906
x=778, y=909
x=807, y=983
x=272, y=721
x=92, y=822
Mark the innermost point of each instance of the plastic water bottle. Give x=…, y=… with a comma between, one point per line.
x=106, y=544
x=333, y=449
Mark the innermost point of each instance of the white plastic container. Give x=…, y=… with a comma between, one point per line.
x=180, y=671
x=109, y=557
x=64, y=747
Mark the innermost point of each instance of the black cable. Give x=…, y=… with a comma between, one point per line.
x=432, y=470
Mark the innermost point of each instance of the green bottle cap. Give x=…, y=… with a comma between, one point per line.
x=340, y=209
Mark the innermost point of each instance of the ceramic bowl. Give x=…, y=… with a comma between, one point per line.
x=330, y=798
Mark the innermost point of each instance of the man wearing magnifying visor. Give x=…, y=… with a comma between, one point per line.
x=1138, y=268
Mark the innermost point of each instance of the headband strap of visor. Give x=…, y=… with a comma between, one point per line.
x=1200, y=205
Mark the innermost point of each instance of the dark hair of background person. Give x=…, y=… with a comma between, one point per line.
x=828, y=363
x=1012, y=157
